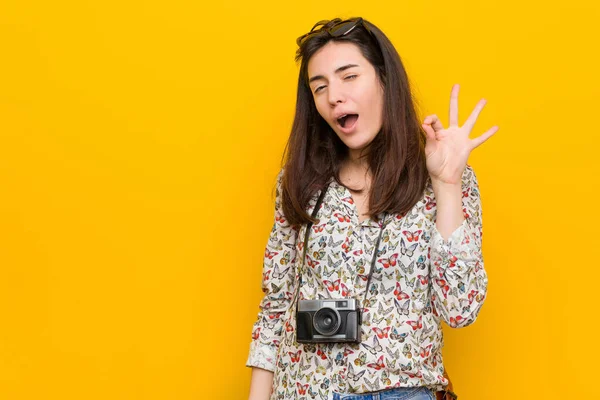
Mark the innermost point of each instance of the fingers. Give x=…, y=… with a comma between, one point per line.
x=429, y=131
x=453, y=121
x=435, y=121
x=470, y=122
x=484, y=136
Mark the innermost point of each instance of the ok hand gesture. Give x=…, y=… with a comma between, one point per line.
x=447, y=149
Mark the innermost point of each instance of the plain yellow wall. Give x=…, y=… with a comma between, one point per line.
x=139, y=144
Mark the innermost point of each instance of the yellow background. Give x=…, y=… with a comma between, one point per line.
x=139, y=144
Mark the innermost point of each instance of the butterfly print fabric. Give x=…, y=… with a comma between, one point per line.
x=419, y=280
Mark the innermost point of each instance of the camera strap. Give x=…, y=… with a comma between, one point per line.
x=309, y=225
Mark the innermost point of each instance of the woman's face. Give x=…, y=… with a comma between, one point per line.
x=347, y=93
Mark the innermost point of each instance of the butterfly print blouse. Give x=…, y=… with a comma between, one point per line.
x=419, y=280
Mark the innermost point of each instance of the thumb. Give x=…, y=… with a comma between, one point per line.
x=429, y=131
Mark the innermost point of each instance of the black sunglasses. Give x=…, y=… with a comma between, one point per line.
x=338, y=29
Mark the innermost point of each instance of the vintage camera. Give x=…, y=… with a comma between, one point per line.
x=328, y=321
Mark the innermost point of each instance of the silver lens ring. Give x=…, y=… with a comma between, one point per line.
x=327, y=321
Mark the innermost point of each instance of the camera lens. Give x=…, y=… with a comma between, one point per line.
x=326, y=321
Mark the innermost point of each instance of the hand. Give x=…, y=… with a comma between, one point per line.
x=447, y=149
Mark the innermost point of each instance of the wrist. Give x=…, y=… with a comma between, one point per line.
x=443, y=185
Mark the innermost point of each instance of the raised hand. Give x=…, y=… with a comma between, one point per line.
x=448, y=149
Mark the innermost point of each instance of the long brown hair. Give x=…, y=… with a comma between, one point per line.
x=314, y=152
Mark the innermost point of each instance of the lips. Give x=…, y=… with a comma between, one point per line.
x=347, y=122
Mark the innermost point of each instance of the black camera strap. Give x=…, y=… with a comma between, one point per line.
x=309, y=225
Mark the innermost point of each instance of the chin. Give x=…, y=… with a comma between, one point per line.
x=357, y=143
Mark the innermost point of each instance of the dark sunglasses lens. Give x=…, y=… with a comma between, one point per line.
x=343, y=28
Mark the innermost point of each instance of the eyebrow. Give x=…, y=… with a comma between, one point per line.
x=340, y=69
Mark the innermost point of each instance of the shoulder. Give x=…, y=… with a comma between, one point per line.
x=280, y=176
x=279, y=181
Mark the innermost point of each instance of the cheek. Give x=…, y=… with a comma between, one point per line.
x=377, y=101
x=321, y=108
x=374, y=108
x=370, y=95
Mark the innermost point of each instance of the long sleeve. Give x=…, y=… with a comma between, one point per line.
x=458, y=278
x=277, y=285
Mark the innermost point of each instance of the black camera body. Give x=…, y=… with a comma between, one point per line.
x=328, y=321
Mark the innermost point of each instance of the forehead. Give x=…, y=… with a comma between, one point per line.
x=333, y=55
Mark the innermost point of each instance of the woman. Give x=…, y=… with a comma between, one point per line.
x=391, y=216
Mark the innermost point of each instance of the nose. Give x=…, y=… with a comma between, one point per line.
x=336, y=94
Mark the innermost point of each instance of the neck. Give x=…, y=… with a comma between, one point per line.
x=355, y=170
x=357, y=160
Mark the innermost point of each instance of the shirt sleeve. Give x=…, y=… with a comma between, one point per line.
x=277, y=286
x=459, y=280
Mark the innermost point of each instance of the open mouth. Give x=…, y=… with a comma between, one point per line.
x=347, y=121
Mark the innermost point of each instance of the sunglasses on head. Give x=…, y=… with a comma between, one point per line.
x=338, y=29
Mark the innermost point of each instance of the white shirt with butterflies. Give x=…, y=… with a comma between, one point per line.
x=419, y=280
